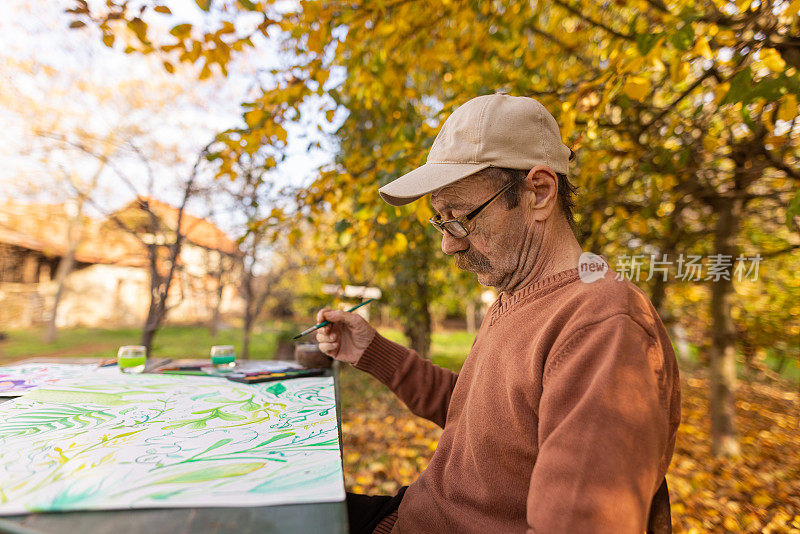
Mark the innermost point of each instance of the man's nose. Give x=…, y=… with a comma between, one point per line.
x=451, y=245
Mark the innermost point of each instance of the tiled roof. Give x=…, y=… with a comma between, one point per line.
x=43, y=227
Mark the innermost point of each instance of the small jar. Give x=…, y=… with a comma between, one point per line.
x=309, y=356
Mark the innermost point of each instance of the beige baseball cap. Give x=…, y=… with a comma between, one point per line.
x=496, y=130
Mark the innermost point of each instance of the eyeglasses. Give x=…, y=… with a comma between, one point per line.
x=458, y=227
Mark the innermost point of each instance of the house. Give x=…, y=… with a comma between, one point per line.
x=110, y=281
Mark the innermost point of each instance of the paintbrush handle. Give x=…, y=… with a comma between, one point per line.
x=326, y=323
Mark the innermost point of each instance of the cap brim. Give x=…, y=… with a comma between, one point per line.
x=425, y=179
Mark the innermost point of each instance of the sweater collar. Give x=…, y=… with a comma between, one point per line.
x=507, y=301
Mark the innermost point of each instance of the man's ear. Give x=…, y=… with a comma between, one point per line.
x=541, y=183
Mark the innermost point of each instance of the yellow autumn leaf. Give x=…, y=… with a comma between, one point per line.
x=720, y=91
x=400, y=242
x=701, y=48
x=788, y=109
x=424, y=212
x=726, y=37
x=253, y=117
x=568, y=123
x=772, y=59
x=678, y=71
x=762, y=499
x=636, y=87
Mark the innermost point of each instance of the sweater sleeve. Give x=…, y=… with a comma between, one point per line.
x=604, y=430
x=422, y=385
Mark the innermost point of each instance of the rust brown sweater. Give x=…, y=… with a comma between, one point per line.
x=562, y=419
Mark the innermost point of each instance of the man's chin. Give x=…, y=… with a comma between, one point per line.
x=485, y=278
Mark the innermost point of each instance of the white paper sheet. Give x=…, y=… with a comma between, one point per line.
x=143, y=441
x=21, y=378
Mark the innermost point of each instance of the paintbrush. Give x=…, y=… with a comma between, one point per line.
x=326, y=323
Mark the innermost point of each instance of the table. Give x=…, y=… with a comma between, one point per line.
x=295, y=518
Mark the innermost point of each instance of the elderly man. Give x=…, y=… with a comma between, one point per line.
x=564, y=415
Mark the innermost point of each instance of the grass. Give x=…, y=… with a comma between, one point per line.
x=170, y=342
x=448, y=349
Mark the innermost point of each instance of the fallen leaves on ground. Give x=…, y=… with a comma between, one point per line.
x=386, y=446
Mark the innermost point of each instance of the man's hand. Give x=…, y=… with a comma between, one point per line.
x=346, y=338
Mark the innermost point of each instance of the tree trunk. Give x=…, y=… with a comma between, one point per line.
x=67, y=263
x=246, y=343
x=155, y=316
x=658, y=294
x=246, y=330
x=63, y=270
x=419, y=332
x=249, y=302
x=213, y=328
x=156, y=311
x=724, y=441
x=418, y=328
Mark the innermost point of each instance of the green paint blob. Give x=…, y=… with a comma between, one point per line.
x=276, y=389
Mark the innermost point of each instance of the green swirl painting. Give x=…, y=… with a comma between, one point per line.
x=19, y=379
x=153, y=441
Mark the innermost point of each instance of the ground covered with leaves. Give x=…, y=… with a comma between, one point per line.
x=385, y=446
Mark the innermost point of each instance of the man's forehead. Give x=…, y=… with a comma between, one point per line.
x=461, y=194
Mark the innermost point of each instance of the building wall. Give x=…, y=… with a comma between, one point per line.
x=108, y=296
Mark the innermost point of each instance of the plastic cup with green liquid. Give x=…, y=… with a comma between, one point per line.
x=223, y=357
x=131, y=358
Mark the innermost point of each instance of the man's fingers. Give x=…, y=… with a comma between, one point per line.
x=329, y=348
x=334, y=316
x=325, y=337
x=321, y=314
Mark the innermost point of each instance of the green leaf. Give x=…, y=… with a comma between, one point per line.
x=646, y=41
x=683, y=38
x=205, y=5
x=792, y=211
x=341, y=226
x=741, y=86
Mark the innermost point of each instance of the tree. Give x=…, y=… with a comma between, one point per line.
x=264, y=265
x=87, y=133
x=162, y=236
x=670, y=104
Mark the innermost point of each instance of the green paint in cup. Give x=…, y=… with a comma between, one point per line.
x=223, y=357
x=131, y=358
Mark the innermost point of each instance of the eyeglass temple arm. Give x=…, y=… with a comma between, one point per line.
x=471, y=215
